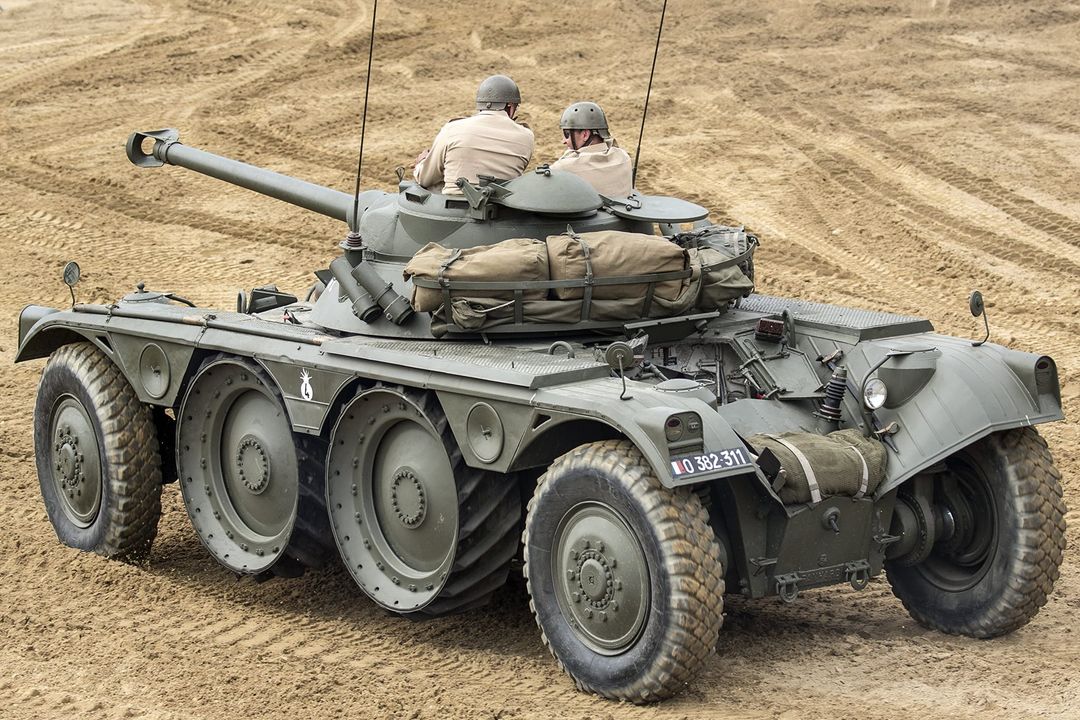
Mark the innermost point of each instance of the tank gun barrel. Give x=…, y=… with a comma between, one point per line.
x=167, y=148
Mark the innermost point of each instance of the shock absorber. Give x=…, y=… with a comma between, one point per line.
x=834, y=395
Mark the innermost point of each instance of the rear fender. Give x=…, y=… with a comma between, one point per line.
x=962, y=393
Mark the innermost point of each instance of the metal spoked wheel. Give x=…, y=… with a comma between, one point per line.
x=419, y=531
x=624, y=575
x=253, y=489
x=97, y=455
x=999, y=530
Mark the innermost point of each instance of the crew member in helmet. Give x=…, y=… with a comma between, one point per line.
x=591, y=151
x=488, y=143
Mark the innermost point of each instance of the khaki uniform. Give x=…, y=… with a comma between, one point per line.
x=606, y=166
x=488, y=143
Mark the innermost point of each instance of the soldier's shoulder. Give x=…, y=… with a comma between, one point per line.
x=454, y=127
x=567, y=158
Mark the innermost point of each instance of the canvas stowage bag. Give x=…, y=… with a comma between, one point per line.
x=721, y=279
x=514, y=260
x=613, y=253
x=477, y=314
x=820, y=466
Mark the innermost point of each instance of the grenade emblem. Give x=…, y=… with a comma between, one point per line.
x=305, y=385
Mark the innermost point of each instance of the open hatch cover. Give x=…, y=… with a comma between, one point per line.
x=655, y=208
x=547, y=191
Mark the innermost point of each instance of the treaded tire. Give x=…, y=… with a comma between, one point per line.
x=125, y=522
x=685, y=579
x=1028, y=546
x=476, y=557
x=311, y=544
x=489, y=519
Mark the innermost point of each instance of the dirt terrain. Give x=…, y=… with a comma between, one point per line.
x=892, y=155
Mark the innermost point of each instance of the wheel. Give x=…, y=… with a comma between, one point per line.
x=1001, y=541
x=419, y=531
x=252, y=487
x=97, y=455
x=624, y=575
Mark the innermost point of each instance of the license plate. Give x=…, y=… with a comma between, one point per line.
x=709, y=461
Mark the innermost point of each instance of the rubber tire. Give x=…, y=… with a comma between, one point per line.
x=126, y=523
x=489, y=519
x=1030, y=544
x=683, y=558
x=311, y=545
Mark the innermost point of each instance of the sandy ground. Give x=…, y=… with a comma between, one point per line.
x=893, y=155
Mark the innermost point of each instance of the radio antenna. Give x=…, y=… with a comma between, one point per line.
x=645, y=110
x=354, y=232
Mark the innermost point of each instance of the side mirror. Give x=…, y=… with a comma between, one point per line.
x=72, y=273
x=619, y=356
x=975, y=303
x=978, y=307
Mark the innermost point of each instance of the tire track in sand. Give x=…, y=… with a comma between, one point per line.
x=986, y=189
x=840, y=163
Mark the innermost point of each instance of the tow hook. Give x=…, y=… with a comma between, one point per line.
x=858, y=574
x=787, y=587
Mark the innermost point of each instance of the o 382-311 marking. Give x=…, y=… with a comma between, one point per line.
x=709, y=461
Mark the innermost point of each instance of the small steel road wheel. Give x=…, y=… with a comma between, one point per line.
x=624, y=575
x=253, y=488
x=97, y=455
x=419, y=531
x=1000, y=539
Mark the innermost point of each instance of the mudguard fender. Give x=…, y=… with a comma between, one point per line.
x=952, y=396
x=41, y=332
x=642, y=417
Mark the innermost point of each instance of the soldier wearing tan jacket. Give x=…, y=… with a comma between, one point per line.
x=488, y=143
x=592, y=153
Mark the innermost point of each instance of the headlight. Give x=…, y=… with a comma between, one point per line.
x=874, y=393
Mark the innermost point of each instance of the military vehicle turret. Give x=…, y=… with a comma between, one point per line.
x=643, y=457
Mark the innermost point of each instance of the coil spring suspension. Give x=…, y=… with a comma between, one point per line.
x=834, y=395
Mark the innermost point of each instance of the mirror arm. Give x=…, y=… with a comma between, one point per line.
x=986, y=324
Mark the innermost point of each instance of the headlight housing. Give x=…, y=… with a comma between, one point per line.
x=875, y=393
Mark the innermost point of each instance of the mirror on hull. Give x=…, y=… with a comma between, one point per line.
x=72, y=273
x=978, y=307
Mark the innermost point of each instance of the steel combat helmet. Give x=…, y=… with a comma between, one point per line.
x=585, y=116
x=496, y=92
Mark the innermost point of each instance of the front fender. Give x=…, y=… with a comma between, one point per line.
x=953, y=396
x=34, y=342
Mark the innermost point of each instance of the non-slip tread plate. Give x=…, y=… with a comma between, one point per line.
x=865, y=322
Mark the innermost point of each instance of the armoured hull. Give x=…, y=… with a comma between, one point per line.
x=644, y=467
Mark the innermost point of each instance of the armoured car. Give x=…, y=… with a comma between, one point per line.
x=640, y=461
